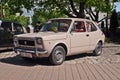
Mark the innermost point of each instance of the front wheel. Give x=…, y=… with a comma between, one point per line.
x=58, y=55
x=98, y=49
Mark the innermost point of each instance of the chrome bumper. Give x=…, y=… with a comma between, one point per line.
x=35, y=52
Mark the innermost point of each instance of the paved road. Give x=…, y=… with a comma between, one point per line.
x=79, y=67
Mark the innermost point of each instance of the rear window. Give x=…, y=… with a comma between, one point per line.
x=6, y=26
x=11, y=27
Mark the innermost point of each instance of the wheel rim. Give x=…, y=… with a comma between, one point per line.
x=58, y=56
x=99, y=49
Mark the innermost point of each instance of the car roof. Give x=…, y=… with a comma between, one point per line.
x=73, y=19
x=6, y=21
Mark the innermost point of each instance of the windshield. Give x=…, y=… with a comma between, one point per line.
x=58, y=25
x=11, y=27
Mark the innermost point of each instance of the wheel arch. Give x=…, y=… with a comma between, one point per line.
x=63, y=45
x=101, y=42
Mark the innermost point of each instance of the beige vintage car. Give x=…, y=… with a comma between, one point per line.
x=60, y=37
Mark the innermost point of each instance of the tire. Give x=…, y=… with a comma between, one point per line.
x=58, y=55
x=98, y=49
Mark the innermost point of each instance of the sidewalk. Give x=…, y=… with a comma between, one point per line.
x=12, y=67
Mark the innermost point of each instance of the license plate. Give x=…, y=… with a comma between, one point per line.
x=26, y=55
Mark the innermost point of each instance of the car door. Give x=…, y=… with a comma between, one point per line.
x=79, y=38
x=93, y=34
x=6, y=36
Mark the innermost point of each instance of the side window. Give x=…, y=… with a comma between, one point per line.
x=79, y=26
x=90, y=27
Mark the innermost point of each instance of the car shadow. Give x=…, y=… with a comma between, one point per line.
x=6, y=50
x=82, y=55
x=117, y=53
x=18, y=60
x=111, y=46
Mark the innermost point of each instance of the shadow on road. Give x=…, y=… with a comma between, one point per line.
x=117, y=53
x=111, y=46
x=17, y=60
x=6, y=50
x=78, y=56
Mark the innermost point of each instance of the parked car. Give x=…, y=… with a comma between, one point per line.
x=7, y=30
x=59, y=38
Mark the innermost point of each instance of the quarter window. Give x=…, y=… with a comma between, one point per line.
x=90, y=27
x=93, y=27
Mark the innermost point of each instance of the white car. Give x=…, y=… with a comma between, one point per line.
x=60, y=37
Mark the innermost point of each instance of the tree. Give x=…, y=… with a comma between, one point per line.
x=113, y=22
x=71, y=8
x=12, y=17
x=15, y=6
x=75, y=8
x=43, y=15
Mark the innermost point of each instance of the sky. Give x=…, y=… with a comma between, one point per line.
x=117, y=6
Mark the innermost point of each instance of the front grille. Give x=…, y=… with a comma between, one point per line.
x=26, y=42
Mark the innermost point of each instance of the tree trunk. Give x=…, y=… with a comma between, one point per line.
x=96, y=16
x=81, y=10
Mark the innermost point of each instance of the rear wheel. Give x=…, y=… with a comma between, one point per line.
x=98, y=49
x=58, y=55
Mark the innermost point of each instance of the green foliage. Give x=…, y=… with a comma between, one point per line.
x=43, y=15
x=75, y=8
x=56, y=8
x=100, y=5
x=16, y=6
x=19, y=19
x=12, y=17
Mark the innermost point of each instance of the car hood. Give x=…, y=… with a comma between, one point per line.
x=44, y=35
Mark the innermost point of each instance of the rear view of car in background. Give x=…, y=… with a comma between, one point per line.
x=7, y=30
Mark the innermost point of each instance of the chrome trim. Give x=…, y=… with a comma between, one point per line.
x=31, y=51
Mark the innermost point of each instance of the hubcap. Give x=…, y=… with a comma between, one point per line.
x=58, y=56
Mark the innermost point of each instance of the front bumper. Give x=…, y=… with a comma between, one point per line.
x=33, y=51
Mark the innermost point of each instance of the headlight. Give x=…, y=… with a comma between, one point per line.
x=39, y=41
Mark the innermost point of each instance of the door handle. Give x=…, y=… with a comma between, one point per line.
x=87, y=35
